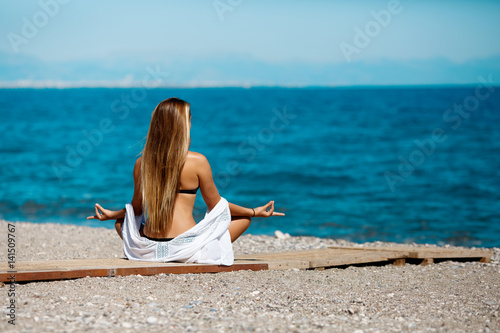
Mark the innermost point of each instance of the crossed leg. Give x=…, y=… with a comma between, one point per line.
x=238, y=225
x=118, y=227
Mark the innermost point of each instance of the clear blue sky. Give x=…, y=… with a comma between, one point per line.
x=270, y=32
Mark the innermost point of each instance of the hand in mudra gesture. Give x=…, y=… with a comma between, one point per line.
x=263, y=212
x=103, y=214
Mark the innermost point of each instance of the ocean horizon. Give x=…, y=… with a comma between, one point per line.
x=368, y=163
x=127, y=84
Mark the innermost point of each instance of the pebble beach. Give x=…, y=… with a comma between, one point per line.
x=443, y=297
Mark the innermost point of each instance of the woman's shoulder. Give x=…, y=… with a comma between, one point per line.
x=195, y=156
x=197, y=159
x=137, y=167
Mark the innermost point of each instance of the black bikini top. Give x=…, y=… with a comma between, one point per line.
x=190, y=191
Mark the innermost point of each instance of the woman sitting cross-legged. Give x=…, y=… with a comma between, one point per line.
x=158, y=224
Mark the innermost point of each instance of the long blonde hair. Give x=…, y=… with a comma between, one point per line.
x=163, y=157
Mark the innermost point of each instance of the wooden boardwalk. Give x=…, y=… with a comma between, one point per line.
x=345, y=256
x=308, y=259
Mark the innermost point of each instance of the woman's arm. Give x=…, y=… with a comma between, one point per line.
x=239, y=210
x=103, y=214
x=207, y=186
x=211, y=195
x=137, y=198
x=254, y=212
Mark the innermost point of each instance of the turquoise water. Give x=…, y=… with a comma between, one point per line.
x=363, y=164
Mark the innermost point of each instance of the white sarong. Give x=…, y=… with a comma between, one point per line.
x=208, y=242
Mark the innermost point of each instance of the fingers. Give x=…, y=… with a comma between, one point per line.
x=270, y=212
x=91, y=217
x=263, y=211
x=97, y=212
x=266, y=206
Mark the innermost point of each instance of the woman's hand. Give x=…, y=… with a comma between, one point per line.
x=102, y=214
x=263, y=212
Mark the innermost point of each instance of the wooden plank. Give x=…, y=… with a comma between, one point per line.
x=341, y=256
x=87, y=263
x=314, y=253
x=438, y=253
x=287, y=264
x=429, y=252
x=275, y=262
x=321, y=258
x=71, y=269
x=365, y=257
x=90, y=264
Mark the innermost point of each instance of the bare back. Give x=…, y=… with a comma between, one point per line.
x=196, y=172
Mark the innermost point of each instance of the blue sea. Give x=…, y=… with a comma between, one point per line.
x=403, y=164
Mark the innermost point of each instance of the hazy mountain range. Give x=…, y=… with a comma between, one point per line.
x=238, y=70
